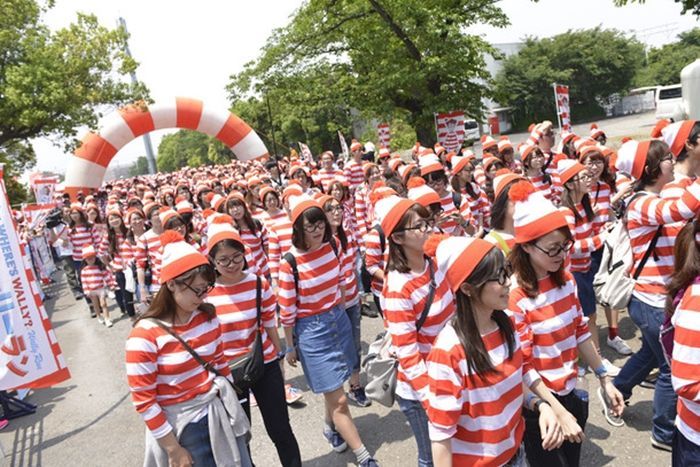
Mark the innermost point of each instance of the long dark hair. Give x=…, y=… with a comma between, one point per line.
x=605, y=175
x=499, y=207
x=525, y=273
x=312, y=216
x=342, y=236
x=686, y=264
x=652, y=166
x=113, y=236
x=464, y=322
x=567, y=200
x=83, y=221
x=397, y=257
x=164, y=305
x=248, y=220
x=692, y=138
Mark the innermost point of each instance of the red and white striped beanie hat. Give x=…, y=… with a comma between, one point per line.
x=674, y=134
x=504, y=143
x=166, y=214
x=389, y=211
x=184, y=207
x=502, y=179
x=429, y=163
x=568, y=168
x=533, y=214
x=421, y=193
x=595, y=131
x=458, y=257
x=221, y=228
x=632, y=157
x=88, y=251
x=217, y=201
x=299, y=204
x=178, y=256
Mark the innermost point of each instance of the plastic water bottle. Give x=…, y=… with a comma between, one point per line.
x=581, y=389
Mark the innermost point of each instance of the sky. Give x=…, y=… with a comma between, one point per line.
x=191, y=49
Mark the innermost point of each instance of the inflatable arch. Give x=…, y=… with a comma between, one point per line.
x=87, y=166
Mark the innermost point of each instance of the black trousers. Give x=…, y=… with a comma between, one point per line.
x=269, y=394
x=569, y=454
x=125, y=299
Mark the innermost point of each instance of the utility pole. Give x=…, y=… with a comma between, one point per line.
x=147, y=137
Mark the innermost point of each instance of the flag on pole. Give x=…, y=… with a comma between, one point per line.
x=305, y=153
x=561, y=95
x=450, y=130
x=384, y=135
x=30, y=356
x=343, y=145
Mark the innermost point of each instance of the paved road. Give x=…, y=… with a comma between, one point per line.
x=89, y=420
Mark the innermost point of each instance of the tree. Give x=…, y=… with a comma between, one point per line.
x=190, y=148
x=664, y=64
x=140, y=167
x=594, y=63
x=410, y=56
x=51, y=83
x=688, y=5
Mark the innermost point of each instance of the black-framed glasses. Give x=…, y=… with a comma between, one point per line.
x=226, y=261
x=556, y=249
x=334, y=209
x=315, y=227
x=421, y=226
x=581, y=177
x=502, y=275
x=199, y=292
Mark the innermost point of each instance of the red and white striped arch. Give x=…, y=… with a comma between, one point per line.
x=88, y=164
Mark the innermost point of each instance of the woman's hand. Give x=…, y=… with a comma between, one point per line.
x=292, y=357
x=552, y=436
x=618, y=402
x=179, y=457
x=570, y=429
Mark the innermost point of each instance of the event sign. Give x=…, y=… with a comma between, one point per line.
x=343, y=145
x=306, y=152
x=44, y=189
x=450, y=130
x=30, y=356
x=384, y=135
x=561, y=95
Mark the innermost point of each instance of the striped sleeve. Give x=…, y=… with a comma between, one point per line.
x=445, y=398
x=685, y=364
x=653, y=210
x=274, y=255
x=287, y=295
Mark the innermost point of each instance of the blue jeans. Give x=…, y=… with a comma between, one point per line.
x=418, y=421
x=685, y=452
x=195, y=438
x=354, y=316
x=650, y=356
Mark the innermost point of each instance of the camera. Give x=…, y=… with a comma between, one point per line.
x=54, y=218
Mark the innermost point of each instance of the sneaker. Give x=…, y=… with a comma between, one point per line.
x=4, y=423
x=610, y=368
x=368, y=311
x=109, y=323
x=358, y=396
x=292, y=394
x=659, y=445
x=337, y=442
x=619, y=346
x=100, y=320
x=110, y=294
x=610, y=416
x=369, y=463
x=650, y=381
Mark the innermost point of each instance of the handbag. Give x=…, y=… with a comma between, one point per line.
x=249, y=368
x=129, y=280
x=381, y=366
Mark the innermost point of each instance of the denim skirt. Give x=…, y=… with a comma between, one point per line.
x=325, y=349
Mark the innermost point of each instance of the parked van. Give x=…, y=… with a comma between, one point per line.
x=669, y=102
x=471, y=130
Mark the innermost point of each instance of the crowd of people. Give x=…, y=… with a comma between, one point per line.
x=480, y=267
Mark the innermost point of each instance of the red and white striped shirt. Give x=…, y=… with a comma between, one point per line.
x=478, y=208
x=551, y=326
x=600, y=195
x=482, y=417
x=280, y=241
x=675, y=189
x=257, y=243
x=235, y=308
x=364, y=212
x=404, y=298
x=93, y=278
x=685, y=366
x=348, y=259
x=450, y=226
x=148, y=253
x=123, y=257
x=354, y=174
x=326, y=177
x=319, y=284
x=375, y=259
x=585, y=242
x=81, y=236
x=161, y=372
x=542, y=185
x=644, y=216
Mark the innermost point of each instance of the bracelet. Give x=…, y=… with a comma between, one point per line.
x=600, y=372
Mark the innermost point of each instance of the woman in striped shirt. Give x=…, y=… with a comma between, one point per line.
x=120, y=252
x=312, y=311
x=185, y=405
x=253, y=232
x=650, y=165
x=550, y=323
x=411, y=281
x=533, y=169
x=234, y=295
x=474, y=199
x=476, y=367
x=683, y=305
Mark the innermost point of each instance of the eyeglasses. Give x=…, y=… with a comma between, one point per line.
x=594, y=162
x=334, y=209
x=667, y=158
x=556, y=249
x=503, y=274
x=421, y=226
x=226, y=261
x=581, y=177
x=199, y=293
x=311, y=228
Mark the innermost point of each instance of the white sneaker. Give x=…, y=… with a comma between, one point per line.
x=110, y=294
x=620, y=346
x=100, y=320
x=109, y=323
x=610, y=368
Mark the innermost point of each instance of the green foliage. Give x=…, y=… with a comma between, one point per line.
x=688, y=5
x=594, y=63
x=190, y=148
x=377, y=57
x=140, y=167
x=403, y=135
x=665, y=63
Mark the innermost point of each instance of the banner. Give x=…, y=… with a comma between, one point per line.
x=384, y=135
x=30, y=356
x=44, y=188
x=450, y=130
x=305, y=153
x=34, y=214
x=343, y=145
x=561, y=96
x=41, y=258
